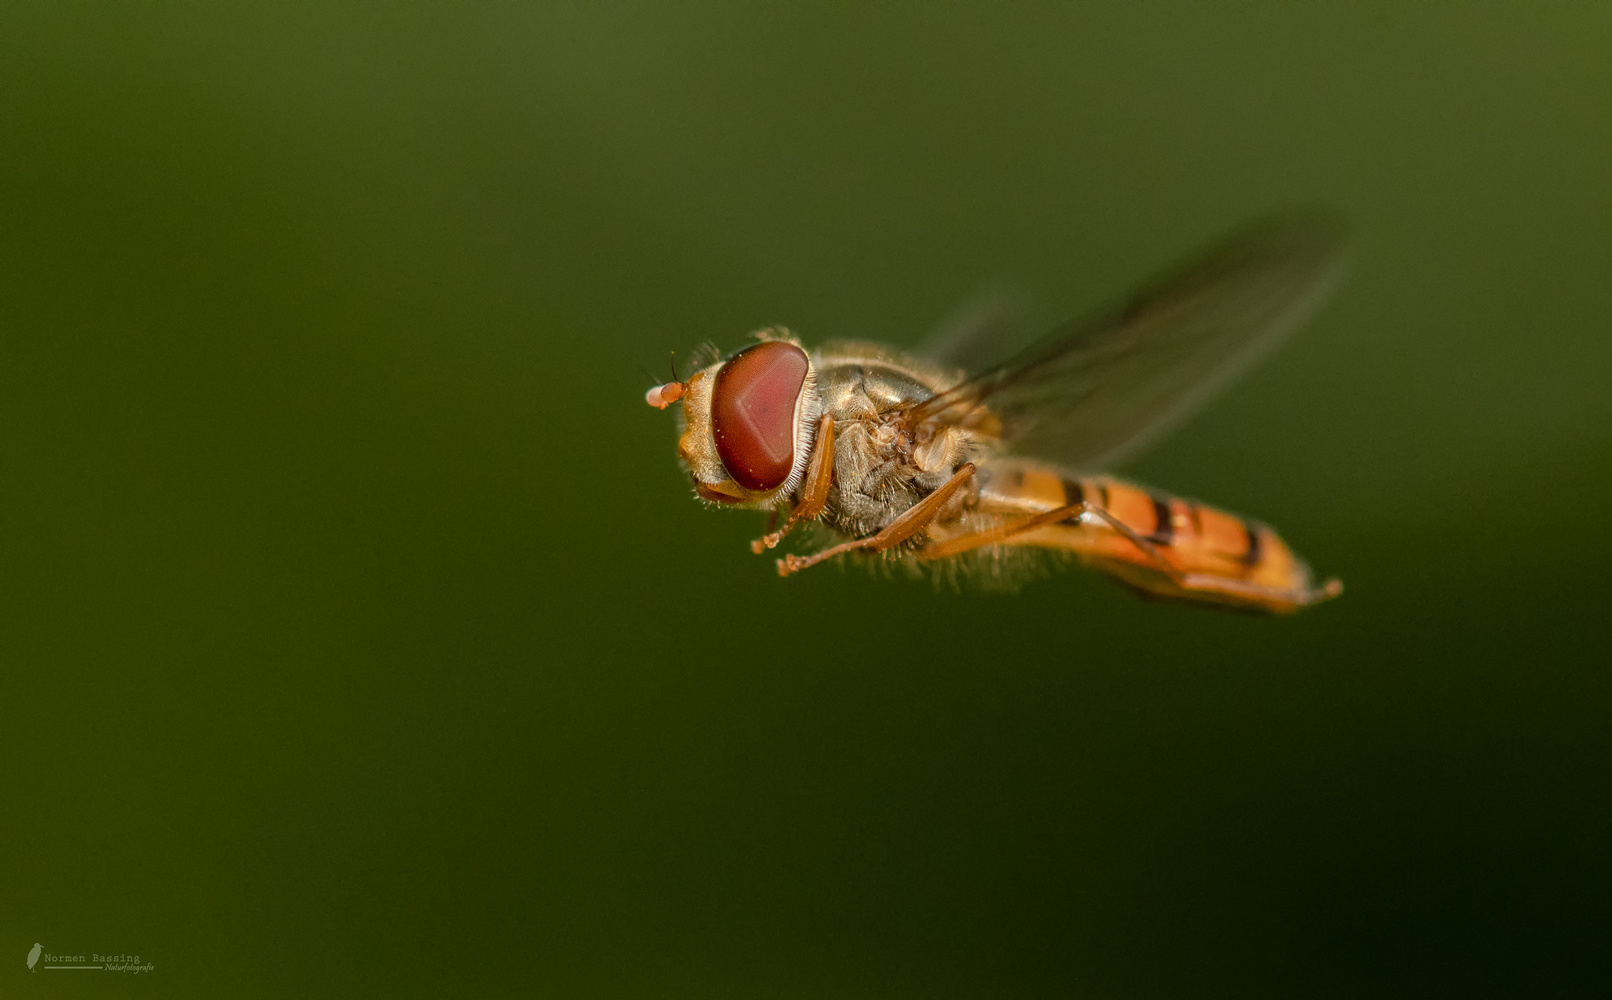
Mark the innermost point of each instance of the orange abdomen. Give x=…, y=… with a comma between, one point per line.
x=1192, y=537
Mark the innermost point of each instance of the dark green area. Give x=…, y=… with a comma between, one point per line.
x=359, y=636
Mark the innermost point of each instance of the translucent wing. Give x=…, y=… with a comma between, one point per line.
x=1095, y=391
x=981, y=331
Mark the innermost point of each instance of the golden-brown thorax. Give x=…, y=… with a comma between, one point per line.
x=881, y=468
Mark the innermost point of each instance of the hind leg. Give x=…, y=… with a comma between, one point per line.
x=1150, y=572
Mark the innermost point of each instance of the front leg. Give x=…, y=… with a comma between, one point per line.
x=814, y=491
x=913, y=520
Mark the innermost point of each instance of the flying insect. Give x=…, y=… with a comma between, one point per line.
x=913, y=461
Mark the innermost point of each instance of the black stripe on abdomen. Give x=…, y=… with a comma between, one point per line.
x=1163, y=527
x=1252, y=555
x=1073, y=493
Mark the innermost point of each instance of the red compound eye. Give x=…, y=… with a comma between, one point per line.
x=753, y=413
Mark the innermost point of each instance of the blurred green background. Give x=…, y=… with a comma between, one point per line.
x=359, y=635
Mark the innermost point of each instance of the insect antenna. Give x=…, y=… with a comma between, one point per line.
x=662, y=396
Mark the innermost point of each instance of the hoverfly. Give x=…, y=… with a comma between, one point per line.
x=909, y=459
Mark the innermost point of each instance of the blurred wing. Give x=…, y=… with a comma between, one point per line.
x=980, y=332
x=1094, y=392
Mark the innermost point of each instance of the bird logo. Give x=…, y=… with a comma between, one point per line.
x=33, y=956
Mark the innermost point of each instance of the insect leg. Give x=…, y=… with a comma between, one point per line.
x=1001, y=533
x=991, y=536
x=1147, y=547
x=1199, y=586
x=814, y=491
x=912, y=521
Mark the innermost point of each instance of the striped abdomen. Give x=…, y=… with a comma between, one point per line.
x=1241, y=562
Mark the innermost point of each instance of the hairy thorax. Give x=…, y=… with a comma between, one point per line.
x=881, y=468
